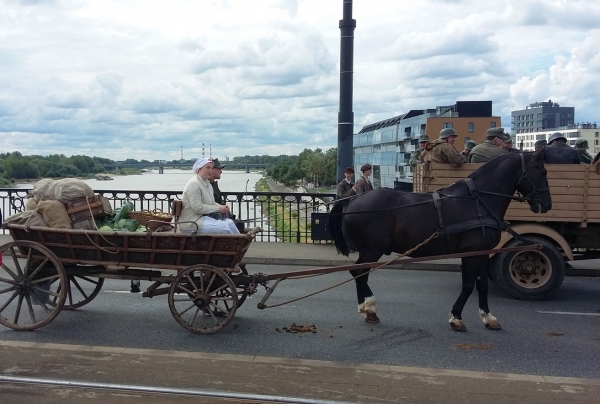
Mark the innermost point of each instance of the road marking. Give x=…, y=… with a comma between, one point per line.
x=569, y=313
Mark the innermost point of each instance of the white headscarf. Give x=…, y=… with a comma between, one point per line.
x=200, y=163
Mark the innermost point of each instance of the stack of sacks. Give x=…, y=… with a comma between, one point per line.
x=46, y=206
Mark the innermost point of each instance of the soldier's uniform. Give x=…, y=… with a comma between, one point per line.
x=584, y=157
x=414, y=156
x=560, y=152
x=439, y=151
x=484, y=152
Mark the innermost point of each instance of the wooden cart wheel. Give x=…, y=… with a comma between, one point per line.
x=202, y=299
x=82, y=290
x=31, y=277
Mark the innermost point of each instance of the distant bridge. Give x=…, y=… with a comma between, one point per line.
x=162, y=166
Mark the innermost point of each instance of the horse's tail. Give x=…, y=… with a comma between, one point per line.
x=336, y=216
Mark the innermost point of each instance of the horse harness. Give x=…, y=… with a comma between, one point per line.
x=483, y=222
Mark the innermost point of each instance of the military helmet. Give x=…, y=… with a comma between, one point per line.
x=540, y=143
x=469, y=144
x=447, y=132
x=423, y=138
x=497, y=132
x=581, y=144
x=556, y=135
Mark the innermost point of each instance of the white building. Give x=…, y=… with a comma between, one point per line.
x=587, y=131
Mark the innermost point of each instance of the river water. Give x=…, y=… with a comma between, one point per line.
x=171, y=180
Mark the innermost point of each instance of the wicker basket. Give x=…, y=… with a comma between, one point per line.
x=151, y=219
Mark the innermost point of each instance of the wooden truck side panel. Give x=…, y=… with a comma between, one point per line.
x=575, y=190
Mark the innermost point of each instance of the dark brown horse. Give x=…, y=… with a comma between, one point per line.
x=465, y=216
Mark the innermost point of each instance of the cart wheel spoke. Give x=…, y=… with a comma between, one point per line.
x=182, y=312
x=30, y=307
x=80, y=291
x=36, y=271
x=18, y=310
x=39, y=282
x=207, y=289
x=11, y=273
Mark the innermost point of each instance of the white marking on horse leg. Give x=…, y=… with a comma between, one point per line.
x=361, y=310
x=489, y=321
x=457, y=324
x=371, y=304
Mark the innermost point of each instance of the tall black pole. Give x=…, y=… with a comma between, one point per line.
x=346, y=115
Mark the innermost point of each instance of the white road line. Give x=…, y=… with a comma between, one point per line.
x=569, y=313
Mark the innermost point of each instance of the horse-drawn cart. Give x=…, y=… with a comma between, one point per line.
x=46, y=270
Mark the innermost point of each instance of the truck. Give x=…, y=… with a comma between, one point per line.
x=571, y=227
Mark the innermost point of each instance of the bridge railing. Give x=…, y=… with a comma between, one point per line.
x=283, y=217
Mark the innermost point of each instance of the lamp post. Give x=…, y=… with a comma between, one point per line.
x=345, y=114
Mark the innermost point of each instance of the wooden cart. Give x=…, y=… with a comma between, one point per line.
x=46, y=270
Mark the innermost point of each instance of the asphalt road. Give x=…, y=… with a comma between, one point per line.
x=560, y=337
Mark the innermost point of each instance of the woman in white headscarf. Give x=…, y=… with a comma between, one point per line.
x=199, y=202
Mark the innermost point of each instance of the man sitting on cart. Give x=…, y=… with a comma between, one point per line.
x=200, y=212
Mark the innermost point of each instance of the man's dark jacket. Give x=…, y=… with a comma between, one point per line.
x=561, y=153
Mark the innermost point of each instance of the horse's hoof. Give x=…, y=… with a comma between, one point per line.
x=457, y=325
x=135, y=289
x=493, y=325
x=371, y=317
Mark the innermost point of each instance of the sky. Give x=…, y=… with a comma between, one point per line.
x=156, y=79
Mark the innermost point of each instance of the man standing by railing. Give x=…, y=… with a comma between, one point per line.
x=344, y=188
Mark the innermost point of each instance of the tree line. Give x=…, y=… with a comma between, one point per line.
x=314, y=166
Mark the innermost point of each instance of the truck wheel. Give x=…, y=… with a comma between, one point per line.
x=530, y=275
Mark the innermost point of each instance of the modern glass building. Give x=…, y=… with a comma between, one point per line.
x=541, y=116
x=388, y=144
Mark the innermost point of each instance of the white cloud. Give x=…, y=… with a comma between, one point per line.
x=140, y=79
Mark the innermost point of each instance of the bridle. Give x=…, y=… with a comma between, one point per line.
x=530, y=197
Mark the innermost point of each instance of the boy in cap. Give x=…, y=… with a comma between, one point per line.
x=216, y=175
x=344, y=188
x=414, y=156
x=364, y=184
x=442, y=149
x=492, y=147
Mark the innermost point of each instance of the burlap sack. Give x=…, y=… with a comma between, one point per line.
x=68, y=190
x=27, y=218
x=30, y=204
x=65, y=190
x=39, y=189
x=55, y=214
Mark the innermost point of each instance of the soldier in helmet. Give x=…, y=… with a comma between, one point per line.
x=559, y=152
x=492, y=147
x=469, y=144
x=539, y=144
x=442, y=149
x=414, y=156
x=582, y=145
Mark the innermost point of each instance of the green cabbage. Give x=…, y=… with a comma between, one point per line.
x=128, y=224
